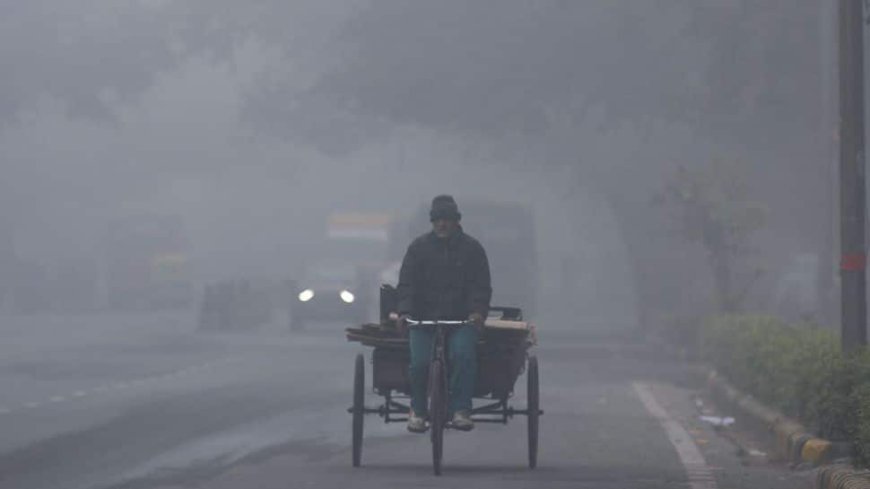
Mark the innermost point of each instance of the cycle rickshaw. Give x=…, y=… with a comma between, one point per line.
x=503, y=355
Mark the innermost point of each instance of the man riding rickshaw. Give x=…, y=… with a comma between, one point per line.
x=439, y=346
x=444, y=276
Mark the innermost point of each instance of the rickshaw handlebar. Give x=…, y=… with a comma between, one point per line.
x=415, y=322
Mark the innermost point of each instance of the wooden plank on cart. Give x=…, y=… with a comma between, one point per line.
x=496, y=332
x=503, y=324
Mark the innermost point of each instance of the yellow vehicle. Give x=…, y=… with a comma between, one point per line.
x=147, y=263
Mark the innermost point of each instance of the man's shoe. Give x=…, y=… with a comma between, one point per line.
x=416, y=424
x=462, y=421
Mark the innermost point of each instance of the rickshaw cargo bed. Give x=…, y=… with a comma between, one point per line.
x=376, y=335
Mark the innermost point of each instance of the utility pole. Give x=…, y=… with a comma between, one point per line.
x=853, y=258
x=827, y=280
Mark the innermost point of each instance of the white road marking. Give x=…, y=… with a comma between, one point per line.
x=699, y=473
x=121, y=385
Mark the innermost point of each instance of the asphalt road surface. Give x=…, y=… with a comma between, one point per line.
x=145, y=401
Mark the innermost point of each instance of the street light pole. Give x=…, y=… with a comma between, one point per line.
x=853, y=259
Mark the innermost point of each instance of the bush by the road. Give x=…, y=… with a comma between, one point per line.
x=797, y=369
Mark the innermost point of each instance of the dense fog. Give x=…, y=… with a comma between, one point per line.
x=630, y=166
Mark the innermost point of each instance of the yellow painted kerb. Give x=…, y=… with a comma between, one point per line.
x=815, y=450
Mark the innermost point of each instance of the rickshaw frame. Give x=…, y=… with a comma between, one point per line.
x=499, y=366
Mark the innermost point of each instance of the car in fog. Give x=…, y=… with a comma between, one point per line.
x=329, y=291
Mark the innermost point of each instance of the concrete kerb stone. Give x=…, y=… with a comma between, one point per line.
x=817, y=451
x=842, y=477
x=792, y=441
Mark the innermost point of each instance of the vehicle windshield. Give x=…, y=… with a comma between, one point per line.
x=330, y=273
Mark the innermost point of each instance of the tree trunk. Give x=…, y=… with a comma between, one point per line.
x=720, y=263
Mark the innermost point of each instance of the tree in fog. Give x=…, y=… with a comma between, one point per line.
x=710, y=207
x=548, y=79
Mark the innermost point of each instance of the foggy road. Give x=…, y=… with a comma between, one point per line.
x=691, y=173
x=145, y=401
x=92, y=401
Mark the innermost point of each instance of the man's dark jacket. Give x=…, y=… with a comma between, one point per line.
x=444, y=278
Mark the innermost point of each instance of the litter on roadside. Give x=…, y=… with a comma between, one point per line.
x=718, y=421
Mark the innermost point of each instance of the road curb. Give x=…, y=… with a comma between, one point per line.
x=792, y=441
x=842, y=477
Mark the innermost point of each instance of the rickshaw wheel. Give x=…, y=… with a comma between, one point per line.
x=358, y=407
x=437, y=413
x=534, y=405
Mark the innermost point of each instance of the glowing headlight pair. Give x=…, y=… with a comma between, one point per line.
x=308, y=294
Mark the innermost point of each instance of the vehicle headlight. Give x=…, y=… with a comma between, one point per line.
x=306, y=295
x=347, y=296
